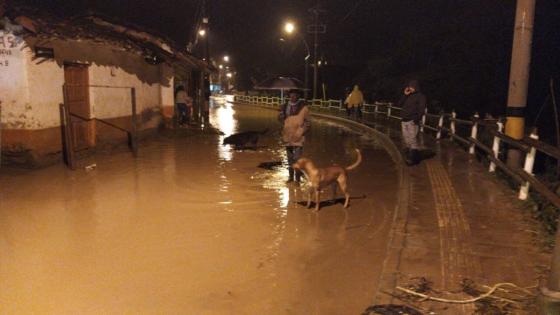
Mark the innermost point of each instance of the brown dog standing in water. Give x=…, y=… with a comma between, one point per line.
x=319, y=178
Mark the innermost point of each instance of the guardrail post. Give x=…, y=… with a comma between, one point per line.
x=440, y=126
x=134, y=131
x=68, y=138
x=452, y=124
x=389, y=110
x=528, y=167
x=0, y=134
x=474, y=132
x=423, y=120
x=376, y=110
x=496, y=146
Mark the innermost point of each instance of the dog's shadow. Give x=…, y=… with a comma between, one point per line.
x=330, y=202
x=272, y=165
x=247, y=148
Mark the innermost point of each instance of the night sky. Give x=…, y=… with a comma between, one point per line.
x=459, y=49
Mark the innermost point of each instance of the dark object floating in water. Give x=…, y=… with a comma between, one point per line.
x=242, y=139
x=390, y=309
x=270, y=165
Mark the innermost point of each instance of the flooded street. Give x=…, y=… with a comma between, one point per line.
x=195, y=227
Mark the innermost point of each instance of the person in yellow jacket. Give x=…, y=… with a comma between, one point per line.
x=354, y=102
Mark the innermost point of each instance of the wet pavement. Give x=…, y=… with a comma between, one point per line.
x=464, y=223
x=195, y=227
x=455, y=223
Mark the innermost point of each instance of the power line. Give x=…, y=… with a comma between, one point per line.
x=351, y=11
x=197, y=22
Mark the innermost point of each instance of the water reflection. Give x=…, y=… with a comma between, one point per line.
x=222, y=118
x=284, y=200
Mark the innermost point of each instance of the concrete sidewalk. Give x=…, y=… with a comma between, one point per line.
x=461, y=223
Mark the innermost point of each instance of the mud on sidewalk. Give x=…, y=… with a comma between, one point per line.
x=463, y=232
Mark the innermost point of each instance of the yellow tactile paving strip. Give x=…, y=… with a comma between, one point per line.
x=457, y=258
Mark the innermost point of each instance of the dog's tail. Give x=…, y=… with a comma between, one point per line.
x=358, y=161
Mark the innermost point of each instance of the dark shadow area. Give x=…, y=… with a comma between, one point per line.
x=426, y=154
x=417, y=156
x=330, y=202
x=390, y=309
x=249, y=148
x=271, y=166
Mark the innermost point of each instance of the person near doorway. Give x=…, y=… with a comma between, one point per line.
x=189, y=109
x=294, y=116
x=206, y=108
x=182, y=105
x=413, y=104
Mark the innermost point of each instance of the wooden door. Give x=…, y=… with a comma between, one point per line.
x=77, y=99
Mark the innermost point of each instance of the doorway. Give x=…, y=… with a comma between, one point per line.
x=76, y=89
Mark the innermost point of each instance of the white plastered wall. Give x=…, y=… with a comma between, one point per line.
x=31, y=89
x=167, y=97
x=14, y=91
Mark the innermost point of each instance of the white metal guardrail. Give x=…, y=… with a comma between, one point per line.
x=467, y=132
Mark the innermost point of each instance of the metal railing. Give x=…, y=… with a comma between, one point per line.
x=69, y=143
x=469, y=133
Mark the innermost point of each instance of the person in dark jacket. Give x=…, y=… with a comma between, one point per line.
x=413, y=104
x=294, y=116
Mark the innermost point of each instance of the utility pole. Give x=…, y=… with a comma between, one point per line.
x=2, y=8
x=519, y=76
x=517, y=101
x=315, y=44
x=306, y=83
x=306, y=74
x=206, y=76
x=315, y=29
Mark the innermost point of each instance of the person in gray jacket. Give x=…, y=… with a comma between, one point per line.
x=413, y=104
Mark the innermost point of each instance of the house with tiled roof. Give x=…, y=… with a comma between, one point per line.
x=92, y=66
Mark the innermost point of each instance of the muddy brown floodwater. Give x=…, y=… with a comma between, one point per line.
x=194, y=227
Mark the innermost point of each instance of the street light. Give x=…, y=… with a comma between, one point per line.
x=221, y=66
x=202, y=32
x=226, y=58
x=290, y=28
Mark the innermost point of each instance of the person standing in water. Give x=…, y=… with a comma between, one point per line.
x=294, y=116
